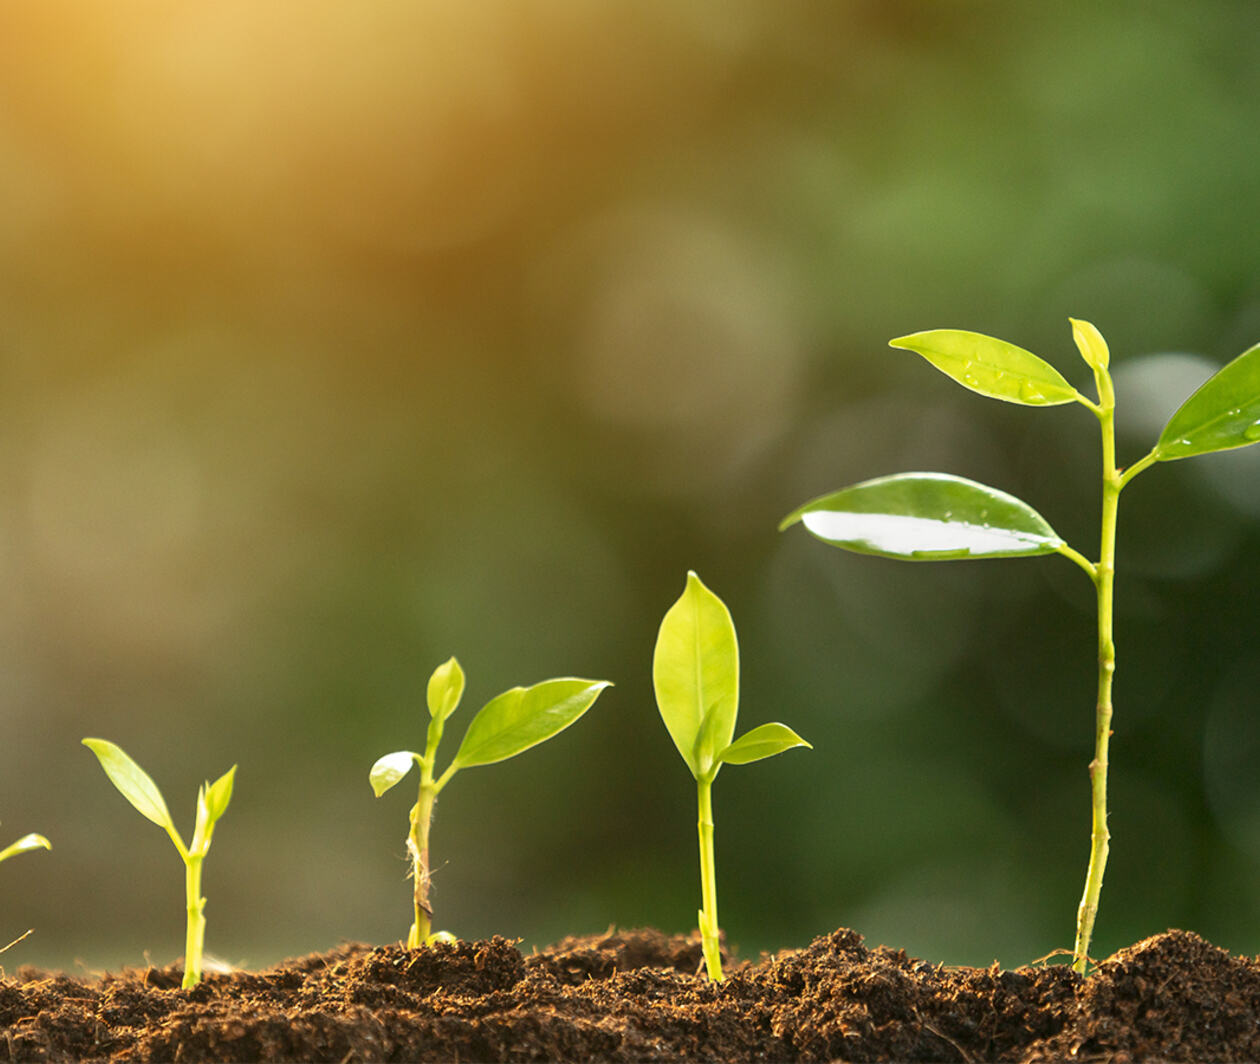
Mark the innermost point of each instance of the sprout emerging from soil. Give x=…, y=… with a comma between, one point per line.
x=695, y=671
x=504, y=727
x=934, y=516
x=138, y=788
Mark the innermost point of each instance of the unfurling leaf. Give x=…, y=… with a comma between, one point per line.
x=766, y=740
x=446, y=688
x=389, y=769
x=219, y=794
x=523, y=717
x=695, y=670
x=1223, y=414
x=927, y=517
x=991, y=367
x=1090, y=343
x=132, y=781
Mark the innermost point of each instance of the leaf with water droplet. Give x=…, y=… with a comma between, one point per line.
x=991, y=367
x=1223, y=414
x=927, y=517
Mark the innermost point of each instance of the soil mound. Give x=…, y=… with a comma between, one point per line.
x=638, y=995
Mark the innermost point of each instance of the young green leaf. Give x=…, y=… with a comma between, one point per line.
x=24, y=845
x=523, y=717
x=1223, y=414
x=927, y=517
x=765, y=740
x=446, y=688
x=991, y=367
x=695, y=671
x=1090, y=343
x=389, y=769
x=219, y=793
x=132, y=781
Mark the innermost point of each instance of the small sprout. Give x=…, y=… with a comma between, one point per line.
x=504, y=727
x=934, y=516
x=138, y=788
x=695, y=671
x=24, y=845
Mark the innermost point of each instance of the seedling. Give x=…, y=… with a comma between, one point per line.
x=934, y=516
x=507, y=725
x=695, y=671
x=212, y=801
x=24, y=845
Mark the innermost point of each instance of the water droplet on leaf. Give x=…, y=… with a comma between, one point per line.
x=1252, y=431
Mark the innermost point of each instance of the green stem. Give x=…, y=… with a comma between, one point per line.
x=194, y=939
x=418, y=847
x=1104, y=581
x=709, y=933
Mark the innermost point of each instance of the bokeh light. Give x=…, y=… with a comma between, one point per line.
x=335, y=340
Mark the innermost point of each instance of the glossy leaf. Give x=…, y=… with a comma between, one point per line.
x=24, y=845
x=927, y=517
x=389, y=769
x=991, y=367
x=695, y=671
x=1224, y=413
x=1090, y=343
x=766, y=740
x=523, y=717
x=446, y=688
x=132, y=781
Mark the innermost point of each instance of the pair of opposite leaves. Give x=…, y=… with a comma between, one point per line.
x=937, y=516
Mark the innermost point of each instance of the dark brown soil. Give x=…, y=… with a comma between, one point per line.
x=636, y=996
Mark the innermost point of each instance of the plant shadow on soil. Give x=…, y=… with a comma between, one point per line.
x=636, y=996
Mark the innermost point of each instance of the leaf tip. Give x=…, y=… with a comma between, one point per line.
x=790, y=520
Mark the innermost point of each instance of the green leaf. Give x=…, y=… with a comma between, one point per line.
x=24, y=845
x=1090, y=343
x=446, y=688
x=927, y=517
x=219, y=793
x=389, y=769
x=514, y=721
x=991, y=367
x=695, y=671
x=763, y=741
x=132, y=781
x=1224, y=413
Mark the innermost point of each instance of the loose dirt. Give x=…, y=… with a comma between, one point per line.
x=636, y=996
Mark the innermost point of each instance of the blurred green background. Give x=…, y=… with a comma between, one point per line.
x=338, y=339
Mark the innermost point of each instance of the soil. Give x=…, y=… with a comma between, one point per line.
x=637, y=996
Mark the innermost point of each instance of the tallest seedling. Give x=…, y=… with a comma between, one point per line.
x=934, y=516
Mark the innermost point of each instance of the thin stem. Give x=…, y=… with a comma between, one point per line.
x=194, y=939
x=421, y=931
x=418, y=847
x=709, y=933
x=1100, y=838
x=1091, y=570
x=1137, y=467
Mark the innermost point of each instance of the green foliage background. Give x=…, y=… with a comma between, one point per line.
x=338, y=339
